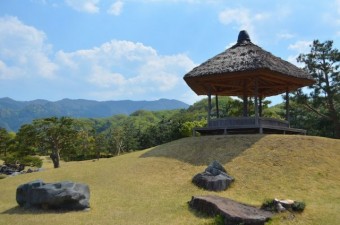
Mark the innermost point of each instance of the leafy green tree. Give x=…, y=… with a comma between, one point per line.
x=100, y=144
x=323, y=63
x=6, y=140
x=52, y=134
x=187, y=127
x=27, y=142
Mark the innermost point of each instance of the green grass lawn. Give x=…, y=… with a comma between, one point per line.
x=153, y=186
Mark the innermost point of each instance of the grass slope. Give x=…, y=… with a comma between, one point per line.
x=154, y=185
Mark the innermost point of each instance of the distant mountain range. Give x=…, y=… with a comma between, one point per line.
x=13, y=113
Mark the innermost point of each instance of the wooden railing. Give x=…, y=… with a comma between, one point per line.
x=246, y=122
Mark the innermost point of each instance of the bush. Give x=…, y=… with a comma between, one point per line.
x=32, y=161
x=219, y=220
x=269, y=205
x=298, y=206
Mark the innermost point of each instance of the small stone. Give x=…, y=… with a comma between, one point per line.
x=280, y=208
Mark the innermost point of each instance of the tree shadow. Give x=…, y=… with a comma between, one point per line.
x=203, y=150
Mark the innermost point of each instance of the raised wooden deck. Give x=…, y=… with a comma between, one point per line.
x=247, y=125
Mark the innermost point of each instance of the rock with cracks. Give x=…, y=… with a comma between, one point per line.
x=214, y=178
x=233, y=212
x=64, y=195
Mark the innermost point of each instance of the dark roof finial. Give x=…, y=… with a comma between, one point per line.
x=243, y=36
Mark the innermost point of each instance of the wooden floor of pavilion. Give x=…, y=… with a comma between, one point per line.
x=247, y=125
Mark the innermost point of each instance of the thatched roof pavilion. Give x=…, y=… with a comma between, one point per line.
x=246, y=70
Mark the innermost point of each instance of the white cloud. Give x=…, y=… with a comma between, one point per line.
x=300, y=46
x=191, y=97
x=88, y=6
x=128, y=68
x=243, y=18
x=23, y=50
x=285, y=35
x=115, y=69
x=116, y=8
x=104, y=78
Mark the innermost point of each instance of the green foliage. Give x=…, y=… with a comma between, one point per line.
x=6, y=140
x=323, y=101
x=298, y=206
x=269, y=205
x=28, y=160
x=31, y=161
x=49, y=135
x=187, y=127
x=219, y=220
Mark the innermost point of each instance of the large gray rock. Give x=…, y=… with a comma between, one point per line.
x=64, y=195
x=233, y=212
x=214, y=178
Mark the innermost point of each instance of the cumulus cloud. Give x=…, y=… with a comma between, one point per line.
x=285, y=35
x=242, y=17
x=126, y=67
x=299, y=47
x=116, y=8
x=23, y=50
x=88, y=6
x=116, y=69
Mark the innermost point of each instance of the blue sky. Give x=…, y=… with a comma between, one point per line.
x=141, y=49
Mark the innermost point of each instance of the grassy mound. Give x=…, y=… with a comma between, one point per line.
x=154, y=185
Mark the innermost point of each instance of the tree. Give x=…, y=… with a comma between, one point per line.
x=51, y=134
x=6, y=139
x=27, y=142
x=323, y=63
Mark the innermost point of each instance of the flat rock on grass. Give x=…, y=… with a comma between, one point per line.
x=233, y=212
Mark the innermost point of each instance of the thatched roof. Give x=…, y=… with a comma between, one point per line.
x=234, y=71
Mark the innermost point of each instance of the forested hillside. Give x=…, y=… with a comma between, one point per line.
x=13, y=113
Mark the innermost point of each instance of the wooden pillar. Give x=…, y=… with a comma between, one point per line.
x=245, y=106
x=245, y=100
x=287, y=105
x=209, y=108
x=217, y=108
x=256, y=93
x=260, y=106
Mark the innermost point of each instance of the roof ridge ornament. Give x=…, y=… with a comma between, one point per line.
x=243, y=37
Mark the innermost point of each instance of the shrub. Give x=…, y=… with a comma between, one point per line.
x=269, y=205
x=32, y=161
x=219, y=220
x=298, y=206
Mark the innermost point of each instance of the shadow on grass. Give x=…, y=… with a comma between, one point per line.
x=23, y=210
x=203, y=150
x=201, y=215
